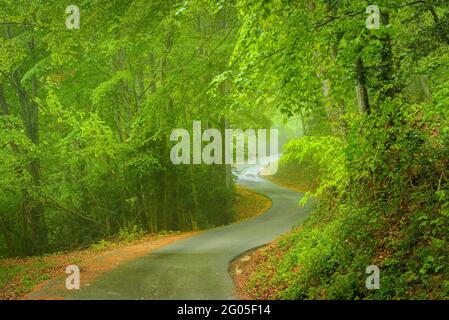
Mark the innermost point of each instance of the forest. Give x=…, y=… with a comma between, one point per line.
x=91, y=91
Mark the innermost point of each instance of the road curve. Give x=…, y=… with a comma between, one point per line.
x=197, y=268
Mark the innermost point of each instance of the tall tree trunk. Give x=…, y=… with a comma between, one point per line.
x=35, y=230
x=8, y=239
x=196, y=204
x=362, y=92
x=341, y=108
x=3, y=226
x=226, y=174
x=387, y=71
x=163, y=154
x=147, y=201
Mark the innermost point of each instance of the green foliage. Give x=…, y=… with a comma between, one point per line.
x=390, y=210
x=101, y=245
x=380, y=164
x=318, y=161
x=86, y=117
x=129, y=234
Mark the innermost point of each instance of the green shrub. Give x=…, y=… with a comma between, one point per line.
x=129, y=234
x=382, y=199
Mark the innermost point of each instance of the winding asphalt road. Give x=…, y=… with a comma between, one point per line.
x=198, y=267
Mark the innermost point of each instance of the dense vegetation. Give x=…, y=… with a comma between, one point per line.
x=377, y=140
x=86, y=116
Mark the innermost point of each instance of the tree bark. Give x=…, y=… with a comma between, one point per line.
x=362, y=92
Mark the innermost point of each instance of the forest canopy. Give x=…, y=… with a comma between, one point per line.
x=87, y=110
x=87, y=114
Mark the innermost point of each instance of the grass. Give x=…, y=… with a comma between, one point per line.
x=254, y=281
x=249, y=204
x=294, y=178
x=19, y=276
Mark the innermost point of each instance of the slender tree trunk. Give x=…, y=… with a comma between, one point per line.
x=341, y=108
x=163, y=185
x=226, y=173
x=362, y=92
x=196, y=204
x=3, y=104
x=6, y=111
x=8, y=239
x=387, y=70
x=34, y=226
